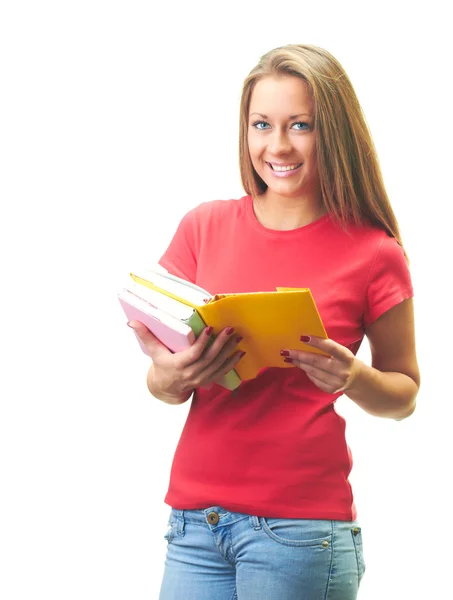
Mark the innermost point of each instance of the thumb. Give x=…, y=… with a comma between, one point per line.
x=155, y=348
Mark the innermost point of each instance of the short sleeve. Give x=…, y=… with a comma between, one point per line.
x=389, y=282
x=180, y=258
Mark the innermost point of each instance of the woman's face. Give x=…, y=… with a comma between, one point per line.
x=281, y=137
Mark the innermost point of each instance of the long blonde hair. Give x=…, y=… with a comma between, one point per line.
x=351, y=180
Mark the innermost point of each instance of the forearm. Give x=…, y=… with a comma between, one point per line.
x=158, y=392
x=383, y=394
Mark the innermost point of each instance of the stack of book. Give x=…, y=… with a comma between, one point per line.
x=176, y=312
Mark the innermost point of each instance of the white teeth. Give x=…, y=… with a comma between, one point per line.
x=278, y=168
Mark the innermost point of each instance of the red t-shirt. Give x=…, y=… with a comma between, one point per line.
x=277, y=447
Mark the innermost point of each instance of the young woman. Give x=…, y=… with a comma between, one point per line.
x=261, y=503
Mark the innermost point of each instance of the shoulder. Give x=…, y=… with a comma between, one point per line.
x=374, y=243
x=217, y=209
x=366, y=232
x=207, y=217
x=212, y=217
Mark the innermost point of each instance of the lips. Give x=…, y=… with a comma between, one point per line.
x=282, y=168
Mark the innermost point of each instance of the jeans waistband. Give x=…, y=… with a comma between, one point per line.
x=213, y=516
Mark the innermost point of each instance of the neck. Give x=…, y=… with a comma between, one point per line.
x=284, y=214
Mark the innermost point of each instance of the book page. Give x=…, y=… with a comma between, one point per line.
x=175, y=286
x=161, y=301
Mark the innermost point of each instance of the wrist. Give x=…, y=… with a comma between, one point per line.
x=160, y=392
x=355, y=380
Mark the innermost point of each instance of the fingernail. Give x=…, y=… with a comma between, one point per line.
x=229, y=331
x=284, y=353
x=288, y=360
x=131, y=326
x=241, y=354
x=305, y=338
x=208, y=330
x=239, y=338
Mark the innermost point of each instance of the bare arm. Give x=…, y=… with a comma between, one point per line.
x=389, y=387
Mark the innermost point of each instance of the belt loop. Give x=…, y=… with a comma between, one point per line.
x=180, y=523
x=255, y=522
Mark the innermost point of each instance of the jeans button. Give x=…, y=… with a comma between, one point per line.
x=213, y=518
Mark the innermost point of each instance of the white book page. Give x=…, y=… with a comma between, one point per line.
x=165, y=303
x=175, y=285
x=173, y=322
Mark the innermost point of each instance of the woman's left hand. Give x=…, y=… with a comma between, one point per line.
x=332, y=374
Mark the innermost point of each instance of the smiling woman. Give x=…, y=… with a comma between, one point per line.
x=282, y=149
x=273, y=513
x=307, y=81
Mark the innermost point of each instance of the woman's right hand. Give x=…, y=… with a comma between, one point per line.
x=173, y=376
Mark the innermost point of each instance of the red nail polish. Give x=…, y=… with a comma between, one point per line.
x=208, y=331
x=229, y=331
x=284, y=353
x=305, y=338
x=242, y=354
x=288, y=360
x=239, y=338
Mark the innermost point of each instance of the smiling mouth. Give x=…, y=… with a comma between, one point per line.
x=283, y=168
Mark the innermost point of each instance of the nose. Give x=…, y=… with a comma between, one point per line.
x=279, y=143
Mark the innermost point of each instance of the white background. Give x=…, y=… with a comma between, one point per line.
x=116, y=118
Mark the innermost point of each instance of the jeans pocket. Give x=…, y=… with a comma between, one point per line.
x=298, y=532
x=358, y=545
x=171, y=529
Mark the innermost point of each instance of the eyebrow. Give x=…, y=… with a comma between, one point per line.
x=291, y=117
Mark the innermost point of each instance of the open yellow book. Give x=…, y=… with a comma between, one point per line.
x=268, y=321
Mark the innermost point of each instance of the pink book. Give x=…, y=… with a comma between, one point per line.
x=172, y=332
x=176, y=325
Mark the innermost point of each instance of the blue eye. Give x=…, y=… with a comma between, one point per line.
x=257, y=125
x=299, y=126
x=303, y=126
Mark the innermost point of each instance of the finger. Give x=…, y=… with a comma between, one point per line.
x=230, y=363
x=324, y=385
x=327, y=377
x=192, y=354
x=221, y=364
x=308, y=360
x=215, y=375
x=212, y=355
x=220, y=348
x=326, y=345
x=155, y=347
x=332, y=380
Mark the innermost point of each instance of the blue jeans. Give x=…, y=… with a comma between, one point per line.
x=214, y=554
